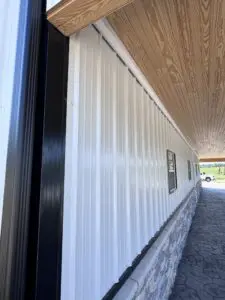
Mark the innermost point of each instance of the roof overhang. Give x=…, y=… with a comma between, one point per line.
x=69, y=16
x=179, y=46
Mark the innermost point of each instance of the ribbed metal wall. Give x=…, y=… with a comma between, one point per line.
x=19, y=60
x=116, y=190
x=9, y=14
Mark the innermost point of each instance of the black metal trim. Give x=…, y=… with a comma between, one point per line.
x=36, y=172
x=189, y=170
x=48, y=219
x=15, y=217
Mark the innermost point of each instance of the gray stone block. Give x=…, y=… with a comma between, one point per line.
x=154, y=277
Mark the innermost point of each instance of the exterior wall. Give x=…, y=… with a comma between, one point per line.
x=154, y=276
x=51, y=3
x=9, y=14
x=116, y=190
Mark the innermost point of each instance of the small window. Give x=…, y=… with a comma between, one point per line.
x=172, y=172
x=189, y=169
x=197, y=170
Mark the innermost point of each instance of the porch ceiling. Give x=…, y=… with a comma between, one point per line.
x=180, y=47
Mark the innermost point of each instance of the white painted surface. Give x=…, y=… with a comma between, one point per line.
x=51, y=3
x=116, y=193
x=9, y=18
x=106, y=30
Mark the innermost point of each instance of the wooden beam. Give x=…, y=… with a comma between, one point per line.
x=214, y=159
x=69, y=16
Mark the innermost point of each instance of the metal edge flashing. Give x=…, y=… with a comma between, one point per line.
x=50, y=217
x=109, y=34
x=15, y=217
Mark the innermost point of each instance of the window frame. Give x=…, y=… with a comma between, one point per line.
x=197, y=169
x=171, y=171
x=189, y=170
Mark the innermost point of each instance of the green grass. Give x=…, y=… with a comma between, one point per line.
x=215, y=171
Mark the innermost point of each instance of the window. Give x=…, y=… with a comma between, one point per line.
x=172, y=172
x=189, y=169
x=197, y=169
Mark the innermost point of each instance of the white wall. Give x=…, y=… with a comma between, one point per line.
x=9, y=19
x=51, y=3
x=116, y=191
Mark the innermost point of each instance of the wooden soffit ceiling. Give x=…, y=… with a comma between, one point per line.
x=69, y=16
x=180, y=47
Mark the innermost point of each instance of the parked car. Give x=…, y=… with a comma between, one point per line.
x=207, y=177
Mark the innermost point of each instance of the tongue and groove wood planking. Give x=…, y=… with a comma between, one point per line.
x=179, y=46
x=69, y=16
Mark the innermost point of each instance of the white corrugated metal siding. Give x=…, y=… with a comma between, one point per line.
x=116, y=190
x=9, y=18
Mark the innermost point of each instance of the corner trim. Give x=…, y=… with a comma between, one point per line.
x=50, y=220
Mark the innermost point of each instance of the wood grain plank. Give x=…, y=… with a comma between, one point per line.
x=180, y=47
x=69, y=16
x=214, y=159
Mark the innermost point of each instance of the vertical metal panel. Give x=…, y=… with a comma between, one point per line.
x=131, y=153
x=165, y=166
x=121, y=171
x=152, y=162
x=116, y=149
x=137, y=151
x=71, y=174
x=115, y=205
x=151, y=167
x=160, y=167
x=157, y=169
x=127, y=163
x=97, y=173
x=21, y=23
x=142, y=164
x=147, y=165
x=136, y=161
x=9, y=14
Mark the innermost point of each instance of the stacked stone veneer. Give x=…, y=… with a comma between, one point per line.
x=153, y=278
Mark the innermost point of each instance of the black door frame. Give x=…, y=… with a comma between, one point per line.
x=32, y=218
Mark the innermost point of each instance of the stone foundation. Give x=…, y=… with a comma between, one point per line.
x=153, y=278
